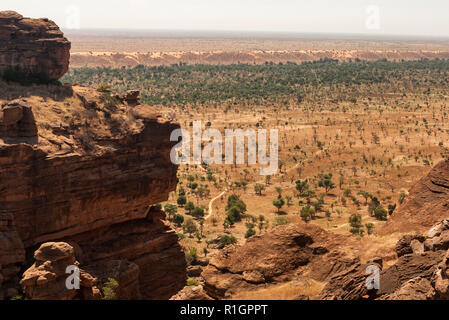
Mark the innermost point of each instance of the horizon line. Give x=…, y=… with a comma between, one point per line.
x=243, y=33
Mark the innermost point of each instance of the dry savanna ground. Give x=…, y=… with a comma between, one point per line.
x=378, y=145
x=353, y=139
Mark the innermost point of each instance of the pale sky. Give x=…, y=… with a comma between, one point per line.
x=379, y=17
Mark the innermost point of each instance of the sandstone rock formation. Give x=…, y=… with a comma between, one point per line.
x=425, y=205
x=285, y=254
x=88, y=177
x=17, y=120
x=90, y=182
x=79, y=166
x=12, y=253
x=32, y=49
x=417, y=275
x=46, y=278
x=306, y=253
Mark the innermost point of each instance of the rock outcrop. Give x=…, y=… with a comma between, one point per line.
x=47, y=278
x=417, y=275
x=287, y=253
x=12, y=253
x=88, y=178
x=307, y=254
x=32, y=49
x=17, y=120
x=426, y=204
x=78, y=166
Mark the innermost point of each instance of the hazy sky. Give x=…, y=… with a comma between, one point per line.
x=384, y=17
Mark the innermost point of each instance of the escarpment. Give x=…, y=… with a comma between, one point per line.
x=89, y=177
x=79, y=172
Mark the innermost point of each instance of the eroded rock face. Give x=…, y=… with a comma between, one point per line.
x=421, y=273
x=47, y=278
x=285, y=254
x=90, y=183
x=17, y=120
x=12, y=254
x=425, y=205
x=32, y=48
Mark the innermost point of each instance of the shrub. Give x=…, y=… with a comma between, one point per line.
x=191, y=282
x=380, y=213
x=226, y=240
x=110, y=289
x=280, y=221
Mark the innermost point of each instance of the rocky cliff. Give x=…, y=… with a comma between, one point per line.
x=81, y=167
x=88, y=176
x=32, y=48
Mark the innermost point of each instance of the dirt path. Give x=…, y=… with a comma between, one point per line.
x=211, y=204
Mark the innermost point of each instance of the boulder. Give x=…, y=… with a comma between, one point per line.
x=17, y=120
x=404, y=247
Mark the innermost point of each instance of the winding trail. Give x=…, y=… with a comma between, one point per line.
x=211, y=203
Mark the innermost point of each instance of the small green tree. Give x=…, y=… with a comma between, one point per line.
x=170, y=209
x=259, y=188
x=301, y=186
x=178, y=219
x=182, y=200
x=198, y=212
x=190, y=227
x=365, y=195
x=369, y=228
x=326, y=182
x=189, y=207
x=355, y=221
x=279, y=203
x=380, y=213
x=307, y=213
x=226, y=240
x=110, y=289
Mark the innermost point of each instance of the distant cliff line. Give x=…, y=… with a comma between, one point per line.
x=131, y=59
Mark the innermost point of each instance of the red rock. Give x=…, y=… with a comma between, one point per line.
x=34, y=48
x=425, y=205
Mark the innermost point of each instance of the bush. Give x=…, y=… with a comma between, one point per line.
x=280, y=221
x=249, y=233
x=181, y=200
x=110, y=289
x=226, y=240
x=380, y=213
x=178, y=219
x=191, y=282
x=198, y=212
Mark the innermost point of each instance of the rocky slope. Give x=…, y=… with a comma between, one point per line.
x=32, y=48
x=426, y=204
x=307, y=254
x=81, y=166
x=298, y=252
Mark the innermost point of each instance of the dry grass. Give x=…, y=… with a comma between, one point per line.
x=285, y=291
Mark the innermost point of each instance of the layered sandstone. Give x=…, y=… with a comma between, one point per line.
x=426, y=204
x=294, y=253
x=299, y=257
x=47, y=278
x=420, y=273
x=88, y=175
x=32, y=49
